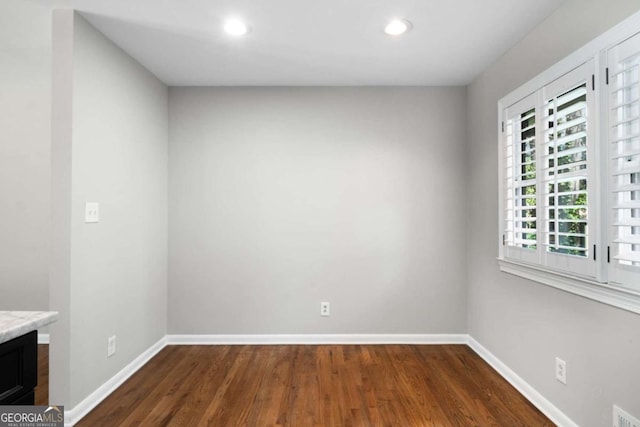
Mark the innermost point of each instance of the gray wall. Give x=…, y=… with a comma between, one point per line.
x=25, y=109
x=116, y=114
x=527, y=324
x=281, y=198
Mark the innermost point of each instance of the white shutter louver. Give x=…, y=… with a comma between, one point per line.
x=624, y=156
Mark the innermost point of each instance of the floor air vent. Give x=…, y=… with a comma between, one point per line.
x=623, y=419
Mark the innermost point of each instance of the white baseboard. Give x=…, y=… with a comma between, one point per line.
x=531, y=394
x=315, y=339
x=43, y=338
x=74, y=415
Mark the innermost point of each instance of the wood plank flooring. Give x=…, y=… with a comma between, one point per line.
x=350, y=385
x=42, y=389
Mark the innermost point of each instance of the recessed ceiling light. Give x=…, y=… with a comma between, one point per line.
x=397, y=27
x=236, y=27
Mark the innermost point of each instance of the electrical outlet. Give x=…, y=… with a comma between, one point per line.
x=622, y=418
x=324, y=309
x=91, y=212
x=111, y=346
x=561, y=370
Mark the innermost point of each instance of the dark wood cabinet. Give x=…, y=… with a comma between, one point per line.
x=19, y=370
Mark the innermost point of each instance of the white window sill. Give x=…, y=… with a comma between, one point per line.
x=616, y=296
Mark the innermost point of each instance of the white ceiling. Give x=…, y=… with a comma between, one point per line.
x=314, y=42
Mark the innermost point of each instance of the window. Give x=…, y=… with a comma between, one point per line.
x=548, y=170
x=624, y=154
x=570, y=172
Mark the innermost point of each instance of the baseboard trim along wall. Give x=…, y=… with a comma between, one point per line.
x=315, y=339
x=531, y=394
x=545, y=406
x=74, y=415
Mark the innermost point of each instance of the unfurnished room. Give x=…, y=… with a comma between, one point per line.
x=320, y=213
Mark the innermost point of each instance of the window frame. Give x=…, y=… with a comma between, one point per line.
x=594, y=286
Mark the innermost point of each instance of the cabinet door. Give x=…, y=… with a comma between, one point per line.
x=18, y=369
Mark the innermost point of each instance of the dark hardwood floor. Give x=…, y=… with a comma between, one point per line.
x=350, y=385
x=42, y=389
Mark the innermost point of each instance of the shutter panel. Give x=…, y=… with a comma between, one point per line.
x=624, y=161
x=520, y=181
x=567, y=169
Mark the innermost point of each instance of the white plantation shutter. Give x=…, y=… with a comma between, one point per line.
x=549, y=175
x=568, y=172
x=624, y=166
x=520, y=181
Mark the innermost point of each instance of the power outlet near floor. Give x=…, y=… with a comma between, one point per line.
x=324, y=309
x=111, y=346
x=91, y=212
x=561, y=370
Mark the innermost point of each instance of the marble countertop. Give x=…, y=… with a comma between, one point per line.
x=16, y=323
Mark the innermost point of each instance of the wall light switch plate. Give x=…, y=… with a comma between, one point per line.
x=91, y=212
